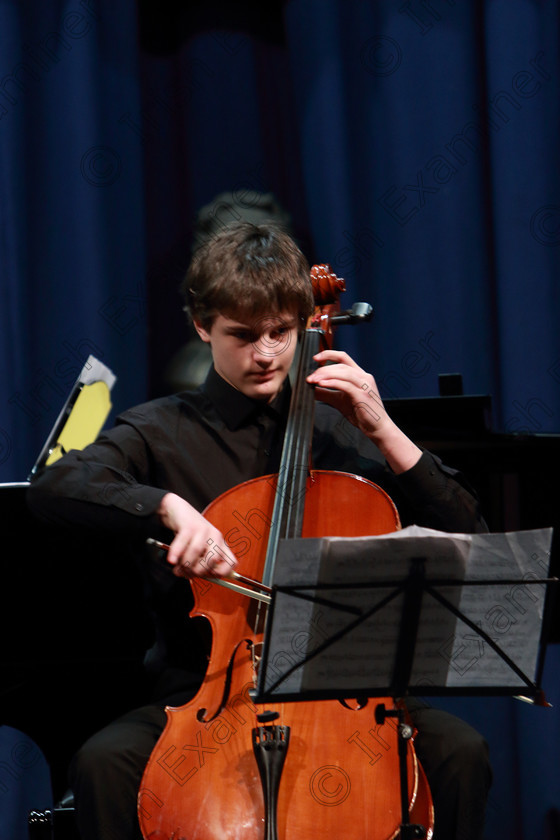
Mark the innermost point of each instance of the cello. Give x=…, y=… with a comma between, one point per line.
x=226, y=767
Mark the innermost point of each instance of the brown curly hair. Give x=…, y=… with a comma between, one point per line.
x=248, y=271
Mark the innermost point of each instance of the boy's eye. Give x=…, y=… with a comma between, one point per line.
x=278, y=333
x=249, y=337
x=242, y=335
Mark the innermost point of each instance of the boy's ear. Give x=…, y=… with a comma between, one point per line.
x=204, y=334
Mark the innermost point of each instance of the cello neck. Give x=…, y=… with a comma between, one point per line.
x=289, y=502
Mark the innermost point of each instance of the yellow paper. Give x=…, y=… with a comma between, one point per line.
x=85, y=421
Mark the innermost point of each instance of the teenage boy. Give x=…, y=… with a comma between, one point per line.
x=248, y=293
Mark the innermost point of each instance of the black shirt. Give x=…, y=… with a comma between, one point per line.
x=200, y=443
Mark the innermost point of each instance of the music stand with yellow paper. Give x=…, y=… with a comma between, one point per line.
x=83, y=414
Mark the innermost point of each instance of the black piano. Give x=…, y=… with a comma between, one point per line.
x=73, y=632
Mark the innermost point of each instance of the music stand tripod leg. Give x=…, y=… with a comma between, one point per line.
x=409, y=831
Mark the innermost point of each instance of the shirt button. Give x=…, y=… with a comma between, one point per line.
x=267, y=452
x=139, y=506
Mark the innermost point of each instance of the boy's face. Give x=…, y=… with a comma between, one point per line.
x=253, y=356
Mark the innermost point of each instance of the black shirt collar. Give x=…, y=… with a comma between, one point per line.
x=235, y=408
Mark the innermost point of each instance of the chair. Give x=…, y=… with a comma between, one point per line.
x=57, y=823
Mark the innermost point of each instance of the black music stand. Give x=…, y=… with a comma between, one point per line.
x=380, y=616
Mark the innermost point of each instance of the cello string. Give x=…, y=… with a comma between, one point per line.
x=287, y=516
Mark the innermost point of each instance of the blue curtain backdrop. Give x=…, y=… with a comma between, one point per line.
x=415, y=145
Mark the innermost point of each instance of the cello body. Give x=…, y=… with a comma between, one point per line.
x=340, y=774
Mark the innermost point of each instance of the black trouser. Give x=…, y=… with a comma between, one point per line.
x=456, y=761
x=105, y=774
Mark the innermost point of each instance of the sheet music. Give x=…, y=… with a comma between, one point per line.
x=511, y=614
x=448, y=652
x=93, y=409
x=95, y=371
